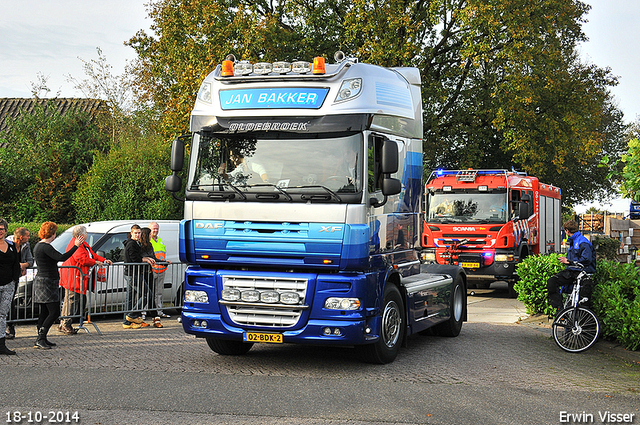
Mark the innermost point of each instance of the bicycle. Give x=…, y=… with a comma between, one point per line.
x=576, y=327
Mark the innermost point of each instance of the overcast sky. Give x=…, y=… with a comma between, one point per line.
x=49, y=37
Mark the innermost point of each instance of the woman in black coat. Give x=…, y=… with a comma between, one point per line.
x=45, y=285
x=9, y=275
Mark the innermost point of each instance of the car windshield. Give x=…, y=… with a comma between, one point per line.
x=61, y=242
x=479, y=207
x=288, y=169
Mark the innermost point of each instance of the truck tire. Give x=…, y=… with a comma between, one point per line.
x=392, y=325
x=226, y=347
x=458, y=303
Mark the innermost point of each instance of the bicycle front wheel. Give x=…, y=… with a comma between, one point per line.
x=576, y=333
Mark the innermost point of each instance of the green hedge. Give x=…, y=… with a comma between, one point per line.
x=616, y=298
x=533, y=273
x=34, y=227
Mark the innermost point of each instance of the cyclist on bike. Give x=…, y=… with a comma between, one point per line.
x=580, y=251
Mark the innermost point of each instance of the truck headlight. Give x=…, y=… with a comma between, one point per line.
x=196, y=297
x=335, y=303
x=428, y=256
x=503, y=257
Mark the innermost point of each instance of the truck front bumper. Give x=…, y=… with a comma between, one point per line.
x=336, y=332
x=497, y=270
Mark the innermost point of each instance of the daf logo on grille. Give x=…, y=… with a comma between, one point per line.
x=330, y=229
x=209, y=225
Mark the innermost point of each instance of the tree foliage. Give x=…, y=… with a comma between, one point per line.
x=502, y=83
x=46, y=152
x=128, y=183
x=630, y=175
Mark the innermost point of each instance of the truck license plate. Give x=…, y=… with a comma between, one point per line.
x=262, y=337
x=470, y=265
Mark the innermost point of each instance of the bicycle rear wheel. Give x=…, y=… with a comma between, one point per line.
x=576, y=334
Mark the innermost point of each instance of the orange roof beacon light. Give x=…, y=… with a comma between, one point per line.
x=318, y=65
x=227, y=68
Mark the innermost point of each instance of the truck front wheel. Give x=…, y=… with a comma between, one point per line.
x=385, y=349
x=226, y=347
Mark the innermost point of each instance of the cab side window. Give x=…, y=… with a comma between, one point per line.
x=374, y=167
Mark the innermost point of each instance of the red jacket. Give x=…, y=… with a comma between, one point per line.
x=84, y=257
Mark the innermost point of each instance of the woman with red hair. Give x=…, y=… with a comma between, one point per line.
x=45, y=285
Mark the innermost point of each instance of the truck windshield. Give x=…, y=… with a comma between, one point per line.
x=250, y=168
x=479, y=207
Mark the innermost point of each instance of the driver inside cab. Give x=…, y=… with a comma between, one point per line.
x=241, y=168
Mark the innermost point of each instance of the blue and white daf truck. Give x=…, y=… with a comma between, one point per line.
x=302, y=212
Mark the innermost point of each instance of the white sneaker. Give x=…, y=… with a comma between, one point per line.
x=162, y=315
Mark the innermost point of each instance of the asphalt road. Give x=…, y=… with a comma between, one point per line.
x=495, y=372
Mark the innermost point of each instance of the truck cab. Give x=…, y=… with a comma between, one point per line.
x=302, y=209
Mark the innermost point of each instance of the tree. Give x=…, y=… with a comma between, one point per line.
x=46, y=152
x=502, y=83
x=630, y=176
x=128, y=182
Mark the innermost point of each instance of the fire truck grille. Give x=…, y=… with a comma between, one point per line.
x=464, y=236
x=273, y=314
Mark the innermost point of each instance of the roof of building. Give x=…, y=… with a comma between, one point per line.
x=11, y=107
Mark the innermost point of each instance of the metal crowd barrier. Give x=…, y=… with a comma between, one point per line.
x=107, y=293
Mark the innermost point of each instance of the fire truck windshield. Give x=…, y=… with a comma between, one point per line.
x=325, y=169
x=478, y=207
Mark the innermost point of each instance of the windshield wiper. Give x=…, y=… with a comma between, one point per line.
x=223, y=194
x=306, y=197
x=279, y=189
x=444, y=220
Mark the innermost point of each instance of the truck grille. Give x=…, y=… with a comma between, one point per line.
x=258, y=313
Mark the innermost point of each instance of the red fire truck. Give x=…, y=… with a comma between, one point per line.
x=489, y=220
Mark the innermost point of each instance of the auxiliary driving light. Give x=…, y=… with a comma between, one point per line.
x=270, y=297
x=199, y=324
x=301, y=67
x=204, y=94
x=349, y=89
x=290, y=298
x=229, y=294
x=331, y=332
x=242, y=68
x=262, y=68
x=281, y=67
x=250, y=296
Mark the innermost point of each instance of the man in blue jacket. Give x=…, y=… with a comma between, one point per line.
x=580, y=251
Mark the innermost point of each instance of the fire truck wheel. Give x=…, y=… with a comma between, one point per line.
x=226, y=347
x=457, y=305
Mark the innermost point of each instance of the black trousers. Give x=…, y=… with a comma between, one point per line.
x=555, y=282
x=49, y=313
